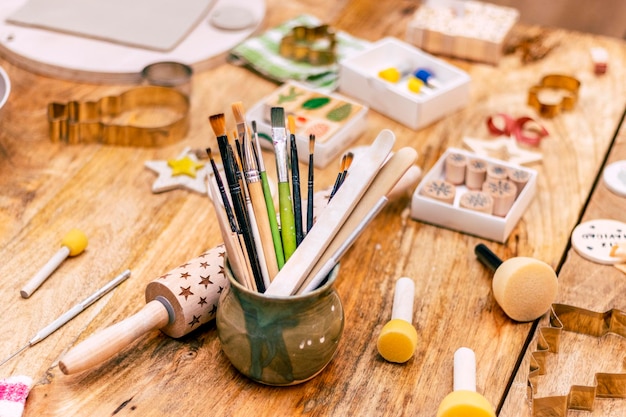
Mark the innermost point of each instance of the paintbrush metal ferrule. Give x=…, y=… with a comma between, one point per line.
x=279, y=137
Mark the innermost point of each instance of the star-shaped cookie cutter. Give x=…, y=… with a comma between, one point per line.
x=565, y=317
x=554, y=81
x=142, y=116
x=313, y=45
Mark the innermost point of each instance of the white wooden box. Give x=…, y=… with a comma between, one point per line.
x=452, y=216
x=465, y=29
x=358, y=78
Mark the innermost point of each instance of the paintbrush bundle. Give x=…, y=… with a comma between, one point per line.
x=273, y=251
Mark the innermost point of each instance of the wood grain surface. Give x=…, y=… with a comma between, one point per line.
x=48, y=188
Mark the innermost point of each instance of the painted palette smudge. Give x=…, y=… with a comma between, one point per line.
x=314, y=112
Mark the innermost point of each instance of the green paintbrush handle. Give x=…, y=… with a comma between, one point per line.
x=287, y=221
x=271, y=213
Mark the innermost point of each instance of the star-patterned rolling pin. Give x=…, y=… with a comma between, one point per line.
x=177, y=303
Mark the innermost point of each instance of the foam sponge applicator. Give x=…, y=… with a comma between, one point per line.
x=72, y=244
x=525, y=288
x=464, y=401
x=398, y=338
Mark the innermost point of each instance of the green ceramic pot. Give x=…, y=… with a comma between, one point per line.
x=279, y=340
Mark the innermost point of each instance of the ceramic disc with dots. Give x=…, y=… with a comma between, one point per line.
x=593, y=239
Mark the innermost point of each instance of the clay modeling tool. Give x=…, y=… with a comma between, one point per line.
x=311, y=181
x=523, y=287
x=287, y=220
x=366, y=209
x=72, y=244
x=295, y=181
x=293, y=274
x=427, y=77
x=398, y=338
x=269, y=201
x=71, y=313
x=464, y=400
x=178, y=302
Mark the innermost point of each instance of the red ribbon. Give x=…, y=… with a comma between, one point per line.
x=515, y=127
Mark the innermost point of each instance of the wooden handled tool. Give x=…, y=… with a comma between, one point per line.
x=177, y=303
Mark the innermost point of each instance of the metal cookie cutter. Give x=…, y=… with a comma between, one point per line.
x=554, y=81
x=142, y=116
x=574, y=319
x=314, y=45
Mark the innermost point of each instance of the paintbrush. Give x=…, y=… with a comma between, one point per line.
x=329, y=222
x=239, y=206
x=269, y=200
x=279, y=137
x=309, y=201
x=218, y=180
x=366, y=209
x=295, y=181
x=218, y=124
x=255, y=193
x=342, y=175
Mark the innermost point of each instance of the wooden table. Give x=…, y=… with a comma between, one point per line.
x=105, y=190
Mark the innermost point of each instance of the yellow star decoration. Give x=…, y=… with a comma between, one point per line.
x=184, y=166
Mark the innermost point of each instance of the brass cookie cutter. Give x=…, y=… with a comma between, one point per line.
x=554, y=81
x=574, y=319
x=314, y=45
x=142, y=116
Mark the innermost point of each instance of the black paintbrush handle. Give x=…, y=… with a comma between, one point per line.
x=309, y=201
x=295, y=184
x=487, y=257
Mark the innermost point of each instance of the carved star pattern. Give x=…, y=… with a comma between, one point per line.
x=185, y=275
x=205, y=281
x=503, y=148
x=194, y=321
x=186, y=292
x=213, y=310
x=202, y=301
x=168, y=180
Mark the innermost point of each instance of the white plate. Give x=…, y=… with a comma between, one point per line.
x=5, y=87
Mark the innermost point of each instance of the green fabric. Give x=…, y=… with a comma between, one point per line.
x=260, y=54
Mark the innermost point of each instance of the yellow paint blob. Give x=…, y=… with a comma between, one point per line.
x=390, y=74
x=75, y=240
x=397, y=341
x=465, y=404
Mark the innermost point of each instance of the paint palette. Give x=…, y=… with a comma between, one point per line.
x=334, y=120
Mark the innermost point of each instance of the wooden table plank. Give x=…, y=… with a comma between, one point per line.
x=47, y=188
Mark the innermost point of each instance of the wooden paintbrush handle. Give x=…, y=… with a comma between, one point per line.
x=113, y=339
x=258, y=204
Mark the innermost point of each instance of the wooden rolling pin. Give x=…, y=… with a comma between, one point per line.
x=176, y=303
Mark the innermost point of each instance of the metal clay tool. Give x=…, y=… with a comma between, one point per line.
x=606, y=385
x=464, y=401
x=566, y=83
x=177, y=303
x=71, y=313
x=313, y=45
x=142, y=116
x=73, y=244
x=523, y=287
x=398, y=338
